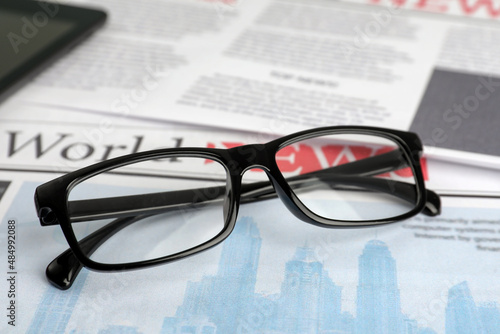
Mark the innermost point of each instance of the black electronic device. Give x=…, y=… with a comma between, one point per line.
x=35, y=33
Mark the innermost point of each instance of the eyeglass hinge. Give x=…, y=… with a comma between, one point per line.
x=47, y=216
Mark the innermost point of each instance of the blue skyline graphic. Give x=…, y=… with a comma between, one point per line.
x=55, y=308
x=309, y=301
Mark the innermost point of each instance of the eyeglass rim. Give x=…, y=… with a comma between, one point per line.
x=408, y=141
x=56, y=191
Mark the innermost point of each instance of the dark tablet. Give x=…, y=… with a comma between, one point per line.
x=34, y=33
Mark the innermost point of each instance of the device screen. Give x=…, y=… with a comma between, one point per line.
x=23, y=38
x=33, y=34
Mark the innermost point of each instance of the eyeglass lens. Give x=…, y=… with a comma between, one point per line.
x=177, y=213
x=349, y=195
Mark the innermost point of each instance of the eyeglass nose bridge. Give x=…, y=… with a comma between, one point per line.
x=261, y=156
x=246, y=157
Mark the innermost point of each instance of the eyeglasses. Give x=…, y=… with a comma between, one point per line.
x=158, y=206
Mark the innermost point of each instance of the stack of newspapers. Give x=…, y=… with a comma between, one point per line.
x=225, y=73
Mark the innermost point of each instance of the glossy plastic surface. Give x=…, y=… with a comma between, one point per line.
x=51, y=203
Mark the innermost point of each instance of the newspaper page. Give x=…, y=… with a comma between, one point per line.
x=56, y=147
x=132, y=59
x=281, y=66
x=485, y=9
x=274, y=274
x=286, y=65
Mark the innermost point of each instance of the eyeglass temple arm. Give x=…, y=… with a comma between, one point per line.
x=354, y=173
x=403, y=190
x=64, y=269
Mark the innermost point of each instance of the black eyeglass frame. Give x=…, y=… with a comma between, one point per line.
x=51, y=198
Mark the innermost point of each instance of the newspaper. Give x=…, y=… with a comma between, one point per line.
x=424, y=274
x=488, y=9
x=60, y=147
x=275, y=274
x=281, y=66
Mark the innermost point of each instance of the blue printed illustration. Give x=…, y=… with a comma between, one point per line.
x=309, y=301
